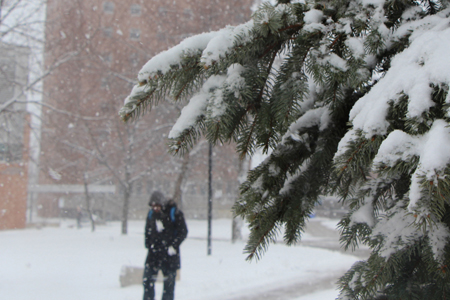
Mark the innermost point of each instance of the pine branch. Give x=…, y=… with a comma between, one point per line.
x=244, y=146
x=257, y=248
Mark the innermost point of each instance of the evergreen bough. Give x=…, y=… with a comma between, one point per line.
x=349, y=98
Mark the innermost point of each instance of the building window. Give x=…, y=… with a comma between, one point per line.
x=7, y=79
x=108, y=7
x=10, y=152
x=108, y=31
x=135, y=34
x=135, y=9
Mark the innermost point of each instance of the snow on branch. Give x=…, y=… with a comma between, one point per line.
x=411, y=73
x=201, y=50
x=315, y=117
x=431, y=148
x=196, y=108
x=212, y=46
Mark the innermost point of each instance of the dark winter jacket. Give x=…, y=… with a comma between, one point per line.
x=162, y=230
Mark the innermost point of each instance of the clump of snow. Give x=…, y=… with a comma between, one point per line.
x=345, y=25
x=398, y=232
x=336, y=61
x=364, y=214
x=356, y=46
x=313, y=16
x=235, y=82
x=434, y=156
x=397, y=146
x=314, y=117
x=353, y=283
x=130, y=102
x=224, y=40
x=258, y=185
x=196, y=107
x=348, y=138
x=431, y=148
x=287, y=186
x=439, y=236
x=313, y=21
x=314, y=27
x=164, y=61
x=274, y=170
x=412, y=13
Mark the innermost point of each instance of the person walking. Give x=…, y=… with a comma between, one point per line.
x=165, y=230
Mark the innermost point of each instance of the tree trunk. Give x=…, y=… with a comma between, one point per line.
x=177, y=196
x=88, y=202
x=126, y=205
x=236, y=227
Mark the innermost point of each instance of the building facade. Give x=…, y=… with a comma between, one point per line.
x=14, y=136
x=87, y=153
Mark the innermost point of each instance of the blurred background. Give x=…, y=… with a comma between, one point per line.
x=65, y=68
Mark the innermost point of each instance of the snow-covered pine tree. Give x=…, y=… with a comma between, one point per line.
x=349, y=97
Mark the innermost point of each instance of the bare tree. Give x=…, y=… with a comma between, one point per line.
x=21, y=48
x=126, y=159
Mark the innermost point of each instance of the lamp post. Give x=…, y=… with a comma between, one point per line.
x=209, y=197
x=1, y=6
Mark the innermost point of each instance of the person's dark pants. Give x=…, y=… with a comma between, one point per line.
x=150, y=276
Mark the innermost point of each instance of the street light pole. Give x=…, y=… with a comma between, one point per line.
x=209, y=197
x=1, y=6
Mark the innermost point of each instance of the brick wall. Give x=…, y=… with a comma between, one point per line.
x=13, y=196
x=13, y=188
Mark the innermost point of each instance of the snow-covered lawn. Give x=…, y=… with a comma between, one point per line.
x=66, y=263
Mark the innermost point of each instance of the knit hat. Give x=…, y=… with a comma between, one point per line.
x=157, y=198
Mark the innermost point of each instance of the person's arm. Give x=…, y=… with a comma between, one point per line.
x=147, y=233
x=181, y=230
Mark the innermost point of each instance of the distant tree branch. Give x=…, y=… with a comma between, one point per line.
x=65, y=112
x=65, y=59
x=124, y=78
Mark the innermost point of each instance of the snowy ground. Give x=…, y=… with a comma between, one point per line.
x=66, y=263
